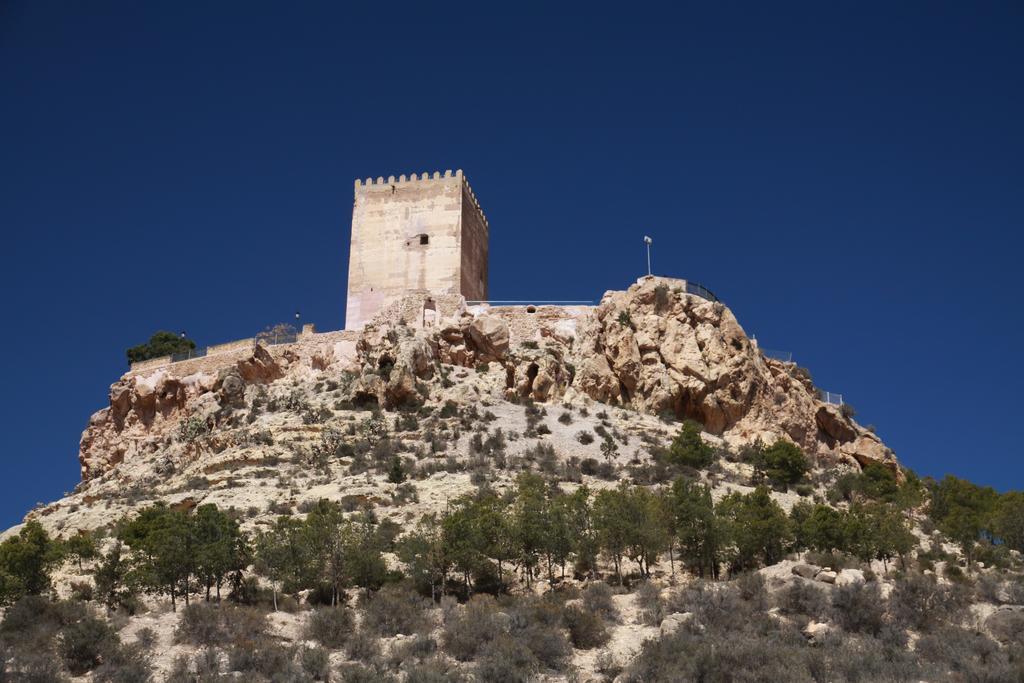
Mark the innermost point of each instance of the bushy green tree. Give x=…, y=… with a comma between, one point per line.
x=280, y=555
x=113, y=578
x=528, y=522
x=1008, y=520
x=164, y=545
x=689, y=449
x=963, y=511
x=756, y=528
x=818, y=527
x=783, y=462
x=80, y=547
x=221, y=548
x=162, y=343
x=423, y=552
x=696, y=526
x=26, y=561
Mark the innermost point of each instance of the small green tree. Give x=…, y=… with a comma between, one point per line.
x=423, y=553
x=164, y=543
x=697, y=527
x=396, y=473
x=1008, y=520
x=689, y=449
x=963, y=511
x=26, y=561
x=81, y=547
x=783, y=463
x=280, y=555
x=611, y=527
x=818, y=527
x=609, y=449
x=756, y=528
x=221, y=548
x=112, y=576
x=162, y=343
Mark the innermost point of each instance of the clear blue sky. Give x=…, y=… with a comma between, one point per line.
x=847, y=176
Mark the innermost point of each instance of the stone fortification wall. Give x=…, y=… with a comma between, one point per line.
x=534, y=323
x=328, y=347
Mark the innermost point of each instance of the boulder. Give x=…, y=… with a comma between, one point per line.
x=1006, y=624
x=489, y=336
x=260, y=367
x=848, y=577
x=674, y=622
x=815, y=630
x=807, y=571
x=826, y=576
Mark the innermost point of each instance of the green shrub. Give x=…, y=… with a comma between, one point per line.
x=859, y=608
x=331, y=626
x=586, y=629
x=209, y=624
x=784, y=463
x=394, y=609
x=689, y=449
x=363, y=646
x=471, y=627
x=597, y=598
x=506, y=660
x=124, y=665
x=315, y=662
x=84, y=643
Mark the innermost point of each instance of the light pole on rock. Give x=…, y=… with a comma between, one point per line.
x=647, y=241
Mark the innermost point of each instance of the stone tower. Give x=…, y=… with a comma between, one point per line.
x=423, y=234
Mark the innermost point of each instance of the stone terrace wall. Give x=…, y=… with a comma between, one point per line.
x=533, y=323
x=326, y=346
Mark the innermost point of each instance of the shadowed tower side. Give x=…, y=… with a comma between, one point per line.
x=417, y=234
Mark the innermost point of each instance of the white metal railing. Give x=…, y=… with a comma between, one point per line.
x=784, y=356
x=830, y=397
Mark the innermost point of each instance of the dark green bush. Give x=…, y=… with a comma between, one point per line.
x=689, y=449
x=84, y=643
x=586, y=629
x=395, y=608
x=859, y=608
x=331, y=626
x=315, y=662
x=506, y=660
x=472, y=627
x=597, y=598
x=162, y=343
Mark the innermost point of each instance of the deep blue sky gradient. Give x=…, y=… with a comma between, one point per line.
x=846, y=176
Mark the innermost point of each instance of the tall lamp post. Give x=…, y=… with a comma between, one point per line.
x=647, y=241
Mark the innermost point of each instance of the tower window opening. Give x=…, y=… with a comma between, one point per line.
x=424, y=239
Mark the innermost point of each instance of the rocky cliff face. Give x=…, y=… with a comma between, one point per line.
x=652, y=348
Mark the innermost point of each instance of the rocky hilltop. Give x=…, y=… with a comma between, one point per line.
x=651, y=349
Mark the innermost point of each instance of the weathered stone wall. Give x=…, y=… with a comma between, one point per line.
x=419, y=233
x=331, y=346
x=475, y=236
x=534, y=323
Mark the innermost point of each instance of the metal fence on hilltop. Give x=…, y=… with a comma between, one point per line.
x=784, y=356
x=700, y=290
x=830, y=397
x=272, y=338
x=187, y=355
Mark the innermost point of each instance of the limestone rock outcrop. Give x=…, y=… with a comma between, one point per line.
x=660, y=350
x=653, y=348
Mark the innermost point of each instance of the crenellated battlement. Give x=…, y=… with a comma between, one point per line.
x=391, y=182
